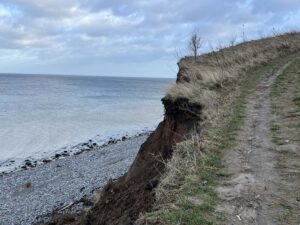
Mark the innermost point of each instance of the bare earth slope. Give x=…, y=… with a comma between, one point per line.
x=253, y=193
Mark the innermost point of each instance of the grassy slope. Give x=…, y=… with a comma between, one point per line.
x=199, y=79
x=285, y=132
x=194, y=197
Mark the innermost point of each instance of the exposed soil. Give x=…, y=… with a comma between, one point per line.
x=121, y=202
x=252, y=193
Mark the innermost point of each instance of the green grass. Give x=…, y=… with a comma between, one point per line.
x=284, y=214
x=294, y=125
x=282, y=85
x=286, y=79
x=296, y=100
x=210, y=170
x=285, y=98
x=275, y=127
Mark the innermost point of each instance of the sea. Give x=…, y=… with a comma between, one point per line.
x=42, y=114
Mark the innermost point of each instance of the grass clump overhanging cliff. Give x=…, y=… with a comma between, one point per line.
x=219, y=82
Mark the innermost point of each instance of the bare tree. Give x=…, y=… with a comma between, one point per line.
x=275, y=32
x=233, y=40
x=244, y=35
x=194, y=44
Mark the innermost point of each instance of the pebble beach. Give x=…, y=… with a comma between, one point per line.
x=65, y=184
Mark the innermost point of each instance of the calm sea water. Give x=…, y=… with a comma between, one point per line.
x=41, y=114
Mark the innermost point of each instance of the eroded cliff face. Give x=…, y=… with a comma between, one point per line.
x=121, y=202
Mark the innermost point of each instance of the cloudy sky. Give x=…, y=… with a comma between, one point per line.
x=126, y=37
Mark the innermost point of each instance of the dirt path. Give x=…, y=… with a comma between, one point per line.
x=251, y=193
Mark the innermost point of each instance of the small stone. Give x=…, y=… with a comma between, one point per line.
x=28, y=185
x=77, y=153
x=46, y=160
x=86, y=202
x=81, y=189
x=57, y=155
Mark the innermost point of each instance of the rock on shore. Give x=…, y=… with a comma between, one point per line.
x=65, y=183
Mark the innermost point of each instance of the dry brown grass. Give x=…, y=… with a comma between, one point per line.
x=183, y=163
x=214, y=80
x=200, y=78
x=211, y=81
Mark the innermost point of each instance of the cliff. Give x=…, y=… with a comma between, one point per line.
x=189, y=105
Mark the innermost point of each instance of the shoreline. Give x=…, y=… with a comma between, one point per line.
x=12, y=165
x=65, y=184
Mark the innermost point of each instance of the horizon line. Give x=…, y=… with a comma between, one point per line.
x=80, y=75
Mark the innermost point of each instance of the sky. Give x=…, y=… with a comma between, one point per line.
x=143, y=38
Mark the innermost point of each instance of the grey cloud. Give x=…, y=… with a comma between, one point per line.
x=120, y=32
x=275, y=6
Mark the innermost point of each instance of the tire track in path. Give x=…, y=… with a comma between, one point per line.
x=247, y=196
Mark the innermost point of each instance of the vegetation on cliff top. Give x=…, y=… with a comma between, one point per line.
x=204, y=111
x=199, y=79
x=220, y=82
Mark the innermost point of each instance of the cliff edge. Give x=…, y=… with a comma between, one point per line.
x=189, y=105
